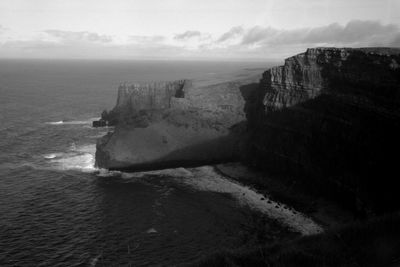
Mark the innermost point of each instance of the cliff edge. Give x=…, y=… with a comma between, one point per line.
x=330, y=118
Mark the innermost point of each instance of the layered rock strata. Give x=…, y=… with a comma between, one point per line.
x=332, y=117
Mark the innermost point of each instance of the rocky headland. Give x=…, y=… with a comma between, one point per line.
x=173, y=124
x=328, y=118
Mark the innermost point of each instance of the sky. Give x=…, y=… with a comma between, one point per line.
x=191, y=29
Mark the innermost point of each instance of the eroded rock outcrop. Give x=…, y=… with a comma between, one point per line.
x=330, y=118
x=172, y=124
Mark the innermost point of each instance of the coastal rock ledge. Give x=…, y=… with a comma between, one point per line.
x=173, y=124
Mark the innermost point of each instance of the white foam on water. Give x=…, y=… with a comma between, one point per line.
x=94, y=260
x=78, y=158
x=73, y=122
x=76, y=122
x=52, y=155
x=55, y=122
x=91, y=149
x=151, y=231
x=76, y=162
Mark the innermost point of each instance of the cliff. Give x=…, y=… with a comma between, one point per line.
x=330, y=118
x=172, y=124
x=136, y=97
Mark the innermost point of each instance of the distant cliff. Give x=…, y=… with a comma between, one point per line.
x=331, y=118
x=141, y=96
x=172, y=124
x=136, y=97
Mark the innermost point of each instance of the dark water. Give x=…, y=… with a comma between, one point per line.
x=57, y=210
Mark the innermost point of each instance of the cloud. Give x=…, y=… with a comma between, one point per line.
x=258, y=42
x=192, y=40
x=257, y=34
x=81, y=36
x=264, y=41
x=353, y=33
x=232, y=33
x=146, y=39
x=187, y=35
x=3, y=30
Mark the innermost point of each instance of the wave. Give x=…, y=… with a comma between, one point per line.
x=94, y=260
x=73, y=122
x=52, y=155
x=68, y=122
x=83, y=162
x=77, y=158
x=55, y=122
x=74, y=157
x=151, y=231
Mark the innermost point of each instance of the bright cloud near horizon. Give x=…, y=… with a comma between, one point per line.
x=191, y=29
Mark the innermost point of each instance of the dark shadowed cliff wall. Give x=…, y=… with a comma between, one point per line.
x=330, y=118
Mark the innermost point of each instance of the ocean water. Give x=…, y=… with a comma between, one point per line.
x=56, y=209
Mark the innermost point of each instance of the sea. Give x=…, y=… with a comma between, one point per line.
x=57, y=209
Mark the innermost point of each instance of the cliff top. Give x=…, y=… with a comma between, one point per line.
x=154, y=84
x=372, y=50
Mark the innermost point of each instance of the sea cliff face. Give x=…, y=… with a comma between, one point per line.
x=172, y=124
x=330, y=118
x=136, y=97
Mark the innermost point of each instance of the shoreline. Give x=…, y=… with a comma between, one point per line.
x=208, y=178
x=211, y=180
x=325, y=213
